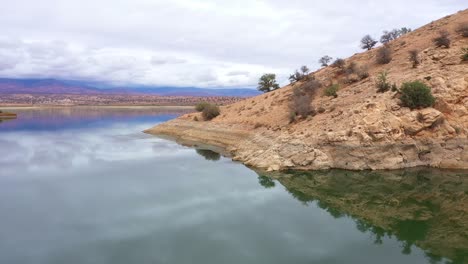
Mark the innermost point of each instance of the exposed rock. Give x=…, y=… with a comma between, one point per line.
x=361, y=129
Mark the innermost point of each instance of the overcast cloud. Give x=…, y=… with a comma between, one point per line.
x=204, y=43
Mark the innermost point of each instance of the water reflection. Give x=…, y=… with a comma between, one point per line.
x=420, y=208
x=208, y=154
x=59, y=118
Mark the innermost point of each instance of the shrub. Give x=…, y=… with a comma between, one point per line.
x=339, y=63
x=267, y=83
x=382, y=83
x=463, y=30
x=325, y=60
x=416, y=95
x=210, y=111
x=384, y=55
x=332, y=90
x=464, y=57
x=442, y=40
x=367, y=42
x=363, y=72
x=351, y=68
x=311, y=86
x=414, y=58
x=200, y=106
x=300, y=104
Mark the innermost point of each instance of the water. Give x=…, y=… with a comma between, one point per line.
x=86, y=186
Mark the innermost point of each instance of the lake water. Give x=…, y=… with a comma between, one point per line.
x=87, y=186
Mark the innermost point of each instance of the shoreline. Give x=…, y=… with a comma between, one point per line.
x=277, y=151
x=169, y=107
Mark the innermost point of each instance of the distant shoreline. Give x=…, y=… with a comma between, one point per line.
x=169, y=107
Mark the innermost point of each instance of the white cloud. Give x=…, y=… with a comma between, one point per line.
x=189, y=42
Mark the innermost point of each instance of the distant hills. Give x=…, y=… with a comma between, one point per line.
x=55, y=86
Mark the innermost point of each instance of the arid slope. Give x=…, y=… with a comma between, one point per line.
x=360, y=129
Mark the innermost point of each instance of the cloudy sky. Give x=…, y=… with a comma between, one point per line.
x=203, y=43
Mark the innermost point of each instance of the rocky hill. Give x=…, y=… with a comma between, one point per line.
x=360, y=128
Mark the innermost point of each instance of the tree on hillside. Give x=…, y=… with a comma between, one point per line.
x=367, y=42
x=389, y=36
x=405, y=30
x=393, y=34
x=267, y=83
x=305, y=70
x=325, y=60
x=295, y=77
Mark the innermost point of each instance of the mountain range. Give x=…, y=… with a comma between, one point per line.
x=57, y=86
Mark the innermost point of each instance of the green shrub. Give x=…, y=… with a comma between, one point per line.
x=464, y=57
x=332, y=90
x=382, y=83
x=416, y=95
x=200, y=106
x=210, y=111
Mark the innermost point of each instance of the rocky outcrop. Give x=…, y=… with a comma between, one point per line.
x=360, y=129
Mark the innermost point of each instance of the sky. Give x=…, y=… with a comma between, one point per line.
x=195, y=43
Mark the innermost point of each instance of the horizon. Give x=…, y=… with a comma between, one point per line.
x=184, y=43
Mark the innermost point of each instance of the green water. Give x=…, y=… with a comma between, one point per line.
x=86, y=186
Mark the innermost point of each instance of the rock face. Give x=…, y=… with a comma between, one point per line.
x=360, y=129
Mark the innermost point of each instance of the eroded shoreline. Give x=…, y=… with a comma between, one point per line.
x=278, y=150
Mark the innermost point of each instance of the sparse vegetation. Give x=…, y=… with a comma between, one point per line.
x=367, y=42
x=267, y=83
x=351, y=68
x=332, y=90
x=325, y=60
x=339, y=64
x=464, y=56
x=297, y=76
x=462, y=29
x=382, y=83
x=300, y=105
x=416, y=95
x=200, y=106
x=393, y=34
x=384, y=55
x=210, y=111
x=311, y=86
x=363, y=72
x=355, y=73
x=443, y=40
x=414, y=58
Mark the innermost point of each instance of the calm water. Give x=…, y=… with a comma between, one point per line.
x=86, y=186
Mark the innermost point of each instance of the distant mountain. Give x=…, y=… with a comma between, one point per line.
x=54, y=86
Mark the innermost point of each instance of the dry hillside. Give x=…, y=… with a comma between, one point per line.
x=361, y=128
